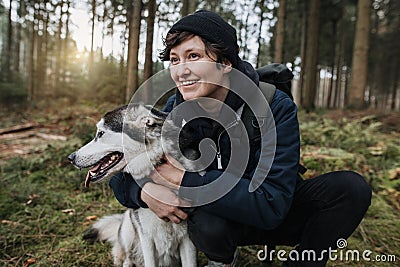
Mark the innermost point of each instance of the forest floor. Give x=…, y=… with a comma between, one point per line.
x=45, y=209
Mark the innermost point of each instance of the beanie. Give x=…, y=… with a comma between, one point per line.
x=214, y=29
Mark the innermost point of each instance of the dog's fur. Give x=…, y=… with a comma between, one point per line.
x=128, y=139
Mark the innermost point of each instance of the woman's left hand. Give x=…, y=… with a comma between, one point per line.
x=169, y=174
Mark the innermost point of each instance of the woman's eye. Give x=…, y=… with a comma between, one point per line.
x=194, y=56
x=174, y=60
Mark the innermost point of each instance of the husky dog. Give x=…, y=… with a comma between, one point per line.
x=128, y=139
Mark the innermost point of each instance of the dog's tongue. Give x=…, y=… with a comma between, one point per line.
x=87, y=180
x=88, y=175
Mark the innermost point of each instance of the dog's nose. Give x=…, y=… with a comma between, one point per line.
x=71, y=157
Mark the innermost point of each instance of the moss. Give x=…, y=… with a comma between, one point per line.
x=38, y=188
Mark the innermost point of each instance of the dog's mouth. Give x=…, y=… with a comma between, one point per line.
x=100, y=169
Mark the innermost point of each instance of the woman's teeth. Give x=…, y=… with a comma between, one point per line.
x=185, y=83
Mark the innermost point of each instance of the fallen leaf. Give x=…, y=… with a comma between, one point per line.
x=29, y=262
x=91, y=218
x=10, y=222
x=394, y=174
x=69, y=211
x=33, y=196
x=378, y=150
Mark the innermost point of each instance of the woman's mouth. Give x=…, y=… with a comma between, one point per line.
x=188, y=83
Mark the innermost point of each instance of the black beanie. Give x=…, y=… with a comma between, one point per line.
x=214, y=29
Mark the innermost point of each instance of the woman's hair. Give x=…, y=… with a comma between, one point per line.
x=214, y=51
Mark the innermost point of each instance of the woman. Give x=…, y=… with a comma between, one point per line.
x=284, y=209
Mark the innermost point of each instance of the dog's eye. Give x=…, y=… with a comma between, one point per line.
x=100, y=134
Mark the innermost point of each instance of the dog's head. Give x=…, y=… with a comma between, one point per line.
x=122, y=135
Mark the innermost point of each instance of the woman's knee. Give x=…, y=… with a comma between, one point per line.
x=207, y=226
x=212, y=235
x=353, y=187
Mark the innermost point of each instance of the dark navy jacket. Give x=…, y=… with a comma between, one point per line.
x=268, y=205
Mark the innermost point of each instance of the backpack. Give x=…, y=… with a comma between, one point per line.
x=278, y=75
x=271, y=76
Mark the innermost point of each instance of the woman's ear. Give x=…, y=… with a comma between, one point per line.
x=227, y=66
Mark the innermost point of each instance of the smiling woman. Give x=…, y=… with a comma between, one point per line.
x=196, y=73
x=283, y=209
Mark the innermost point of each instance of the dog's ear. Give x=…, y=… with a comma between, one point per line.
x=157, y=113
x=151, y=121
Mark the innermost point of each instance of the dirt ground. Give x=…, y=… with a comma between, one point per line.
x=390, y=121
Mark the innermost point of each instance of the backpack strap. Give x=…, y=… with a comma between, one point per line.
x=250, y=122
x=268, y=91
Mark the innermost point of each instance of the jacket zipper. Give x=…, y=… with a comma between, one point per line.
x=233, y=123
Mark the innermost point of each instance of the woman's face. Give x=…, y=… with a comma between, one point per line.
x=195, y=73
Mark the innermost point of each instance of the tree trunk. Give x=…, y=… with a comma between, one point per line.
x=112, y=23
x=303, y=53
x=360, y=56
x=396, y=82
x=104, y=30
x=122, y=69
x=66, y=43
x=91, y=55
x=193, y=6
x=188, y=7
x=280, y=32
x=332, y=63
x=31, y=83
x=339, y=62
x=312, y=56
x=185, y=8
x=247, y=30
x=39, y=62
x=148, y=64
x=8, y=72
x=133, y=50
x=259, y=39
x=322, y=85
x=57, y=75
x=18, y=37
x=39, y=76
x=44, y=83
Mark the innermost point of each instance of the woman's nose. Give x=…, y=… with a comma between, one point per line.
x=181, y=69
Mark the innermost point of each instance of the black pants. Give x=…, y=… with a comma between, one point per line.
x=325, y=209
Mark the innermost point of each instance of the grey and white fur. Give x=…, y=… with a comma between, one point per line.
x=128, y=139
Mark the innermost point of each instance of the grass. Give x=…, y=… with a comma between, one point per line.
x=45, y=209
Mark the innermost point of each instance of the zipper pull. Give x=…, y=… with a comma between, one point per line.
x=219, y=161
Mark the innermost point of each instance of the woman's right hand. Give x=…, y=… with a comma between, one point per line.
x=164, y=202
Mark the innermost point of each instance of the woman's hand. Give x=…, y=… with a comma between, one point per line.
x=169, y=174
x=164, y=202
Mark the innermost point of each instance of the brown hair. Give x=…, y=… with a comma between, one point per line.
x=176, y=38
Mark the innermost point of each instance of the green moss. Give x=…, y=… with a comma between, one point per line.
x=37, y=189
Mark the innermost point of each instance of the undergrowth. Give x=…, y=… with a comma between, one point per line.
x=45, y=208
